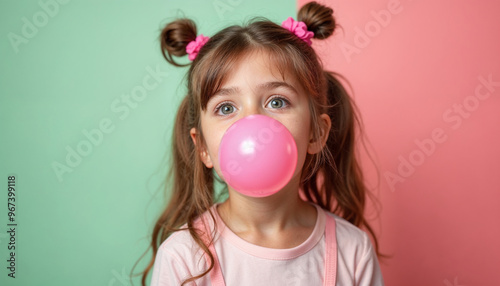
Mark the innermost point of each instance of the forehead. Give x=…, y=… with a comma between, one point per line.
x=260, y=68
x=257, y=61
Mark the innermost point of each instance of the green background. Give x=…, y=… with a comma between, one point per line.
x=89, y=226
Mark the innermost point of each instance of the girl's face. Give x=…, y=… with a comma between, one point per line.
x=255, y=86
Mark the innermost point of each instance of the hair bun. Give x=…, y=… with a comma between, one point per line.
x=175, y=37
x=318, y=19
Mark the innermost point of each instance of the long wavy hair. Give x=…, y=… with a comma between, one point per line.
x=331, y=178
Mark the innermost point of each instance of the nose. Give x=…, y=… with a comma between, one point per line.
x=252, y=106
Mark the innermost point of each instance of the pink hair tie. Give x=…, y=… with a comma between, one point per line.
x=299, y=29
x=194, y=46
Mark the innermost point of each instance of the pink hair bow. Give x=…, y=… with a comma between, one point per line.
x=194, y=46
x=299, y=29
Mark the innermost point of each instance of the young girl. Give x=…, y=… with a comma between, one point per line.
x=305, y=234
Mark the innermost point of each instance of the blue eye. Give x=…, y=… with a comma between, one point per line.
x=278, y=102
x=224, y=109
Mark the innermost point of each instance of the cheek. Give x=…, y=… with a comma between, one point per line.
x=301, y=132
x=213, y=131
x=213, y=136
x=213, y=150
x=302, y=142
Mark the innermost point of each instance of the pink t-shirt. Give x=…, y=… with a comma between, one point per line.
x=243, y=263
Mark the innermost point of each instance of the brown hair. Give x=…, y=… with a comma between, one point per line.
x=332, y=178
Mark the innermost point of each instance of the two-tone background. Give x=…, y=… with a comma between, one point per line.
x=87, y=106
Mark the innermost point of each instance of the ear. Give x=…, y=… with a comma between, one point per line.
x=202, y=150
x=316, y=144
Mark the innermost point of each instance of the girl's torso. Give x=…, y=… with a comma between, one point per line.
x=336, y=253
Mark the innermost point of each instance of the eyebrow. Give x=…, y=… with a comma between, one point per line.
x=266, y=85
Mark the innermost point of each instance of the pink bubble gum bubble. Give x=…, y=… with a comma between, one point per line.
x=257, y=156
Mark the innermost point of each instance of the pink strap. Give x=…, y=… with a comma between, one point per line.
x=331, y=252
x=216, y=277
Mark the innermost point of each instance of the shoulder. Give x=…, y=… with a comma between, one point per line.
x=350, y=236
x=356, y=258
x=180, y=243
x=178, y=258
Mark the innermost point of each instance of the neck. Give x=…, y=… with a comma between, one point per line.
x=271, y=214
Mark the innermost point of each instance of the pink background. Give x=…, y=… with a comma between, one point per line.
x=434, y=129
